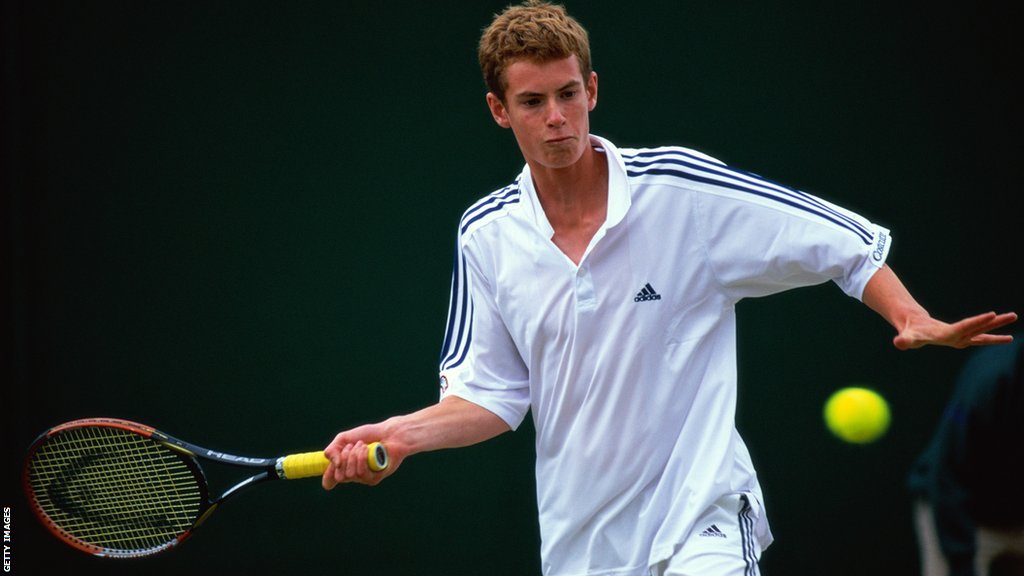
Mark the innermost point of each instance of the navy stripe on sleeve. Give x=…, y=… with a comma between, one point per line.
x=678, y=163
x=459, y=329
x=489, y=204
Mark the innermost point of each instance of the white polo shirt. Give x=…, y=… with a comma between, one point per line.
x=628, y=361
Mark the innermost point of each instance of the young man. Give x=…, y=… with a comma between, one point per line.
x=598, y=292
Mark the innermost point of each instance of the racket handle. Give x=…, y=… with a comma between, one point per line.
x=377, y=456
x=309, y=464
x=305, y=465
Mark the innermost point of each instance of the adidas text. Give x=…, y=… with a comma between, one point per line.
x=713, y=532
x=646, y=294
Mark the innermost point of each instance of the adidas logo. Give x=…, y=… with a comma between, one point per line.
x=647, y=294
x=712, y=532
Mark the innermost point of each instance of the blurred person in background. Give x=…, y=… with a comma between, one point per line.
x=968, y=510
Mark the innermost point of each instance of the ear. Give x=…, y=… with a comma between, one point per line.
x=592, y=91
x=498, y=111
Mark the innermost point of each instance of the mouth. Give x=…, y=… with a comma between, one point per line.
x=559, y=140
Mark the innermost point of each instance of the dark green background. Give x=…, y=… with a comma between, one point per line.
x=234, y=221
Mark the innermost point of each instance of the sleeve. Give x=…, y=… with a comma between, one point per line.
x=762, y=238
x=479, y=361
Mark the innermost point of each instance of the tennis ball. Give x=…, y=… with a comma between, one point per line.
x=857, y=415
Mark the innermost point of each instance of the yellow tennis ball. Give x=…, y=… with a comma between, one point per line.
x=857, y=415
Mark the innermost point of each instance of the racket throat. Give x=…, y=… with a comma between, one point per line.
x=206, y=514
x=261, y=477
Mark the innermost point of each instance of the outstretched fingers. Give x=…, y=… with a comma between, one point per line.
x=972, y=331
x=976, y=330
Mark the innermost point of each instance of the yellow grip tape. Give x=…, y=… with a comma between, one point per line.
x=305, y=465
x=309, y=464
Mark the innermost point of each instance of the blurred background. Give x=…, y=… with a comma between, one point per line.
x=234, y=221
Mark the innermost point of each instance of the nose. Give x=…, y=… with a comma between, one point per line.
x=554, y=114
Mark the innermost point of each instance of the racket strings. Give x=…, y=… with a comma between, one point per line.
x=114, y=489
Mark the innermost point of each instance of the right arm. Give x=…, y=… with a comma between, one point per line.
x=451, y=423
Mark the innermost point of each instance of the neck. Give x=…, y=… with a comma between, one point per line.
x=575, y=194
x=575, y=201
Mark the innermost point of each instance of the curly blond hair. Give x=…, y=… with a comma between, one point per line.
x=537, y=31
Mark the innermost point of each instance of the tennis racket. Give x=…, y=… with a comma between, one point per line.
x=119, y=489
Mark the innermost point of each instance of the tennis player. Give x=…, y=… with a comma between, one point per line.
x=598, y=291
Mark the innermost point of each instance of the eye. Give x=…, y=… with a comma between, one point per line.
x=569, y=94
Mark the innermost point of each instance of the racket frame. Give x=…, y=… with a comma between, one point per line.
x=269, y=469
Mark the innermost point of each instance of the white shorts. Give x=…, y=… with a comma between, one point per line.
x=722, y=543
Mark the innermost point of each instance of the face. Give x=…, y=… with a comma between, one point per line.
x=547, y=105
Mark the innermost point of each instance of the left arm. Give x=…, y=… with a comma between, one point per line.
x=886, y=295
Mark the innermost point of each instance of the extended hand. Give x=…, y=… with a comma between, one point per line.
x=974, y=331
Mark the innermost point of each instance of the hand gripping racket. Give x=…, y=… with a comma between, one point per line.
x=119, y=489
